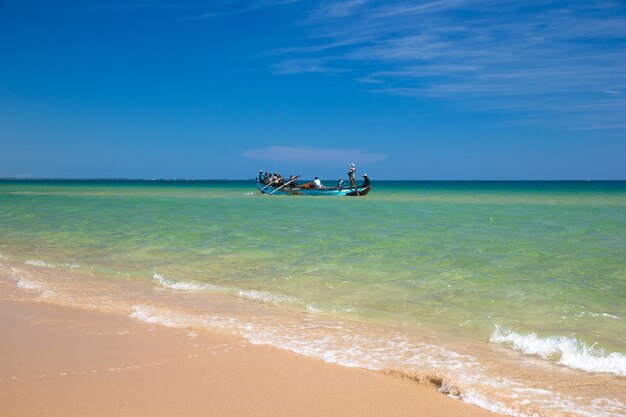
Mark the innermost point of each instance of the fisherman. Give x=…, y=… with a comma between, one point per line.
x=261, y=177
x=351, y=174
x=339, y=183
x=318, y=183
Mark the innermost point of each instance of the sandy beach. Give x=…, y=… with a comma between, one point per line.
x=59, y=361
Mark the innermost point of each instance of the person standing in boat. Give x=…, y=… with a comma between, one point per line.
x=351, y=174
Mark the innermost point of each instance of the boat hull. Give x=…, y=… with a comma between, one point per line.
x=320, y=192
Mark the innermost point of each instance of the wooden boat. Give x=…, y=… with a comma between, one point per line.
x=326, y=191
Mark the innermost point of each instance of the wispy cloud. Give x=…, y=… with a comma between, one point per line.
x=478, y=52
x=303, y=154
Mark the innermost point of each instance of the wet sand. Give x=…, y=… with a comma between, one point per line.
x=60, y=361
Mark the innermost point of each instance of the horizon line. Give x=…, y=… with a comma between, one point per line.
x=254, y=179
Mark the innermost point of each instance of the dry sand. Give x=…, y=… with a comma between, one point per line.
x=59, y=361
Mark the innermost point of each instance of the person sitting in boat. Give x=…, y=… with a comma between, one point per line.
x=318, y=183
x=339, y=183
x=292, y=182
x=277, y=179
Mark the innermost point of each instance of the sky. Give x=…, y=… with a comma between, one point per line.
x=425, y=90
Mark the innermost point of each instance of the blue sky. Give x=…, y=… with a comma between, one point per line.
x=446, y=89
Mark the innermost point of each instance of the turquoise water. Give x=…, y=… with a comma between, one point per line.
x=529, y=266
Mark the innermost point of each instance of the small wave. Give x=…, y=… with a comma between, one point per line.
x=254, y=295
x=592, y=314
x=36, y=262
x=567, y=351
x=265, y=296
x=169, y=318
x=149, y=314
x=185, y=285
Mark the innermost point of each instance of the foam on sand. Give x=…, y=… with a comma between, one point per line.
x=567, y=351
x=352, y=345
x=24, y=283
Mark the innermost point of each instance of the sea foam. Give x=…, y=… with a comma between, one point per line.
x=185, y=285
x=254, y=295
x=24, y=283
x=567, y=351
x=36, y=262
x=344, y=344
x=168, y=318
x=149, y=314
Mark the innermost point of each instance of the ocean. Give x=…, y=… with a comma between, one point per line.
x=507, y=295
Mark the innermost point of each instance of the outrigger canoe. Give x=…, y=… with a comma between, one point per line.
x=326, y=191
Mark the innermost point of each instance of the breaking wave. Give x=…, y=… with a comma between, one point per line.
x=567, y=351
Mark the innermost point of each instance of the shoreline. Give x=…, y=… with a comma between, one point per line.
x=486, y=378
x=63, y=361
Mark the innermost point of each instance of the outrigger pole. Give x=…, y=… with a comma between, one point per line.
x=284, y=185
x=265, y=186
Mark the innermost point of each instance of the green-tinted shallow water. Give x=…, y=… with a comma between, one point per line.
x=458, y=257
